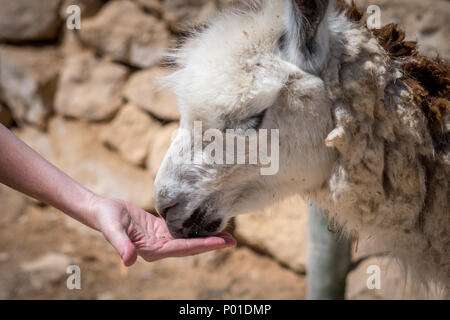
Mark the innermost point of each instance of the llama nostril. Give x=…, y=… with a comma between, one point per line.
x=163, y=211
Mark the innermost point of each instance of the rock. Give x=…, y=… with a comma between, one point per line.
x=47, y=269
x=71, y=44
x=105, y=296
x=37, y=140
x=43, y=217
x=13, y=205
x=80, y=228
x=144, y=90
x=81, y=155
x=5, y=116
x=130, y=133
x=239, y=274
x=159, y=145
x=182, y=15
x=394, y=283
x=28, y=77
x=89, y=88
x=25, y=20
x=88, y=8
x=260, y=277
x=4, y=256
x=425, y=21
x=126, y=33
x=209, y=261
x=68, y=247
x=281, y=233
x=152, y=5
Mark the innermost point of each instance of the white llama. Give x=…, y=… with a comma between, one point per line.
x=353, y=136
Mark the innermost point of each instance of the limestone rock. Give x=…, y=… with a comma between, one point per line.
x=425, y=21
x=144, y=90
x=28, y=79
x=47, y=269
x=87, y=7
x=151, y=5
x=12, y=205
x=80, y=228
x=210, y=261
x=264, y=279
x=37, y=140
x=130, y=133
x=71, y=44
x=81, y=155
x=281, y=233
x=89, y=88
x=5, y=116
x=182, y=15
x=126, y=33
x=4, y=256
x=159, y=145
x=239, y=273
x=105, y=296
x=25, y=20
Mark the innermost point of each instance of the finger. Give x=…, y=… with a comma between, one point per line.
x=121, y=242
x=187, y=247
x=129, y=256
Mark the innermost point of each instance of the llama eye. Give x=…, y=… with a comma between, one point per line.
x=255, y=122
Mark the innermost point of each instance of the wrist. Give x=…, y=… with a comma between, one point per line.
x=92, y=211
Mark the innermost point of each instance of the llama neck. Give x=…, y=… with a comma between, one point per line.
x=308, y=51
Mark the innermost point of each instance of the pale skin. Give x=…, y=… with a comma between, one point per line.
x=130, y=230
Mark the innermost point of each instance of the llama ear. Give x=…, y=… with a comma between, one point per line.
x=306, y=41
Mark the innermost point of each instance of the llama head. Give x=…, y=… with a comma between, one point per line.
x=247, y=72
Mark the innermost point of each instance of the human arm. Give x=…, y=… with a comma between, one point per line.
x=129, y=229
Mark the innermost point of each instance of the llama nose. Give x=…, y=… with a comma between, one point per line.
x=165, y=201
x=163, y=210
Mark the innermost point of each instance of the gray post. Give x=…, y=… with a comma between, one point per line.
x=329, y=258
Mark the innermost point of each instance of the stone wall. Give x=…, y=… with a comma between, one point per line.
x=87, y=100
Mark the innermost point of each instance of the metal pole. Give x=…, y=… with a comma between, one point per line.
x=329, y=258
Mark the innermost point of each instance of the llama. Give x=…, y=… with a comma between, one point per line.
x=364, y=128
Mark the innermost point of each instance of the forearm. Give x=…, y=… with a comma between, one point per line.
x=24, y=170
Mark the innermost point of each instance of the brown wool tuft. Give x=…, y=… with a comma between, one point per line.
x=428, y=79
x=351, y=11
x=392, y=40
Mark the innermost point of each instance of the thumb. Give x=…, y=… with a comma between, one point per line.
x=123, y=245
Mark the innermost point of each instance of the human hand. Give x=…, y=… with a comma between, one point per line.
x=133, y=231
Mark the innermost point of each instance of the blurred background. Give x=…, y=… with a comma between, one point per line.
x=86, y=100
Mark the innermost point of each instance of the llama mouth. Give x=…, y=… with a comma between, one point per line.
x=198, y=225
x=209, y=230
x=201, y=223
x=197, y=230
x=196, y=218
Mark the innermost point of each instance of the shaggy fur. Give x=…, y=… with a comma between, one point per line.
x=391, y=181
x=364, y=129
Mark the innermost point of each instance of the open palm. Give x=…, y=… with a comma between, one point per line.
x=133, y=231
